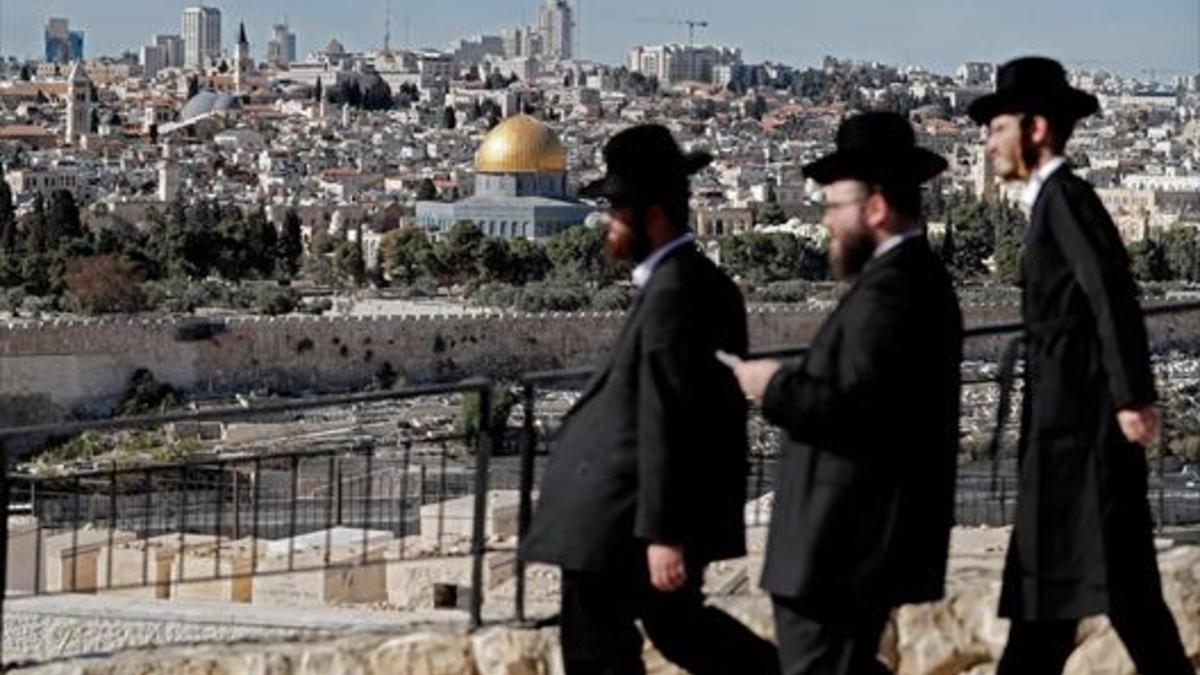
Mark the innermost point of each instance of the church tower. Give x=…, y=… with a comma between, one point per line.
x=241, y=59
x=79, y=104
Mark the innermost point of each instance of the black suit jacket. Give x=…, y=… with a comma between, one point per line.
x=865, y=494
x=655, y=449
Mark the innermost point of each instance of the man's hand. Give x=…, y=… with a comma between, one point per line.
x=1140, y=425
x=754, y=376
x=667, y=572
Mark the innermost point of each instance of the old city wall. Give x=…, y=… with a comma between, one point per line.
x=54, y=369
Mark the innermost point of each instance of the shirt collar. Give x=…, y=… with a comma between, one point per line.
x=895, y=240
x=1034, y=187
x=642, y=273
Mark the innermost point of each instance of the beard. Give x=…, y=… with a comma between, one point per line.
x=633, y=248
x=850, y=253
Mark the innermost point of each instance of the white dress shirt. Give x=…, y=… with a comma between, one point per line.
x=1034, y=187
x=895, y=240
x=642, y=273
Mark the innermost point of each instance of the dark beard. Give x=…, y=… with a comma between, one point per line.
x=856, y=252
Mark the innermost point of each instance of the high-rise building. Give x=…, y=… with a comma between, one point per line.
x=152, y=60
x=62, y=44
x=672, y=64
x=282, y=47
x=556, y=23
x=201, y=35
x=172, y=50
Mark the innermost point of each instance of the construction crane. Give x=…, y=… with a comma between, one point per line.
x=692, y=25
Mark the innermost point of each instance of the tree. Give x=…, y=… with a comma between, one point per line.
x=495, y=261
x=449, y=118
x=578, y=254
x=426, y=190
x=36, y=240
x=105, y=284
x=291, y=245
x=62, y=219
x=769, y=213
x=1149, y=261
x=406, y=254
x=319, y=90
x=1008, y=258
x=528, y=261
x=1180, y=250
x=349, y=262
x=26, y=74
x=459, y=251
x=9, y=239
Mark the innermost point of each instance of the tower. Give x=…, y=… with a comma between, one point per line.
x=241, y=59
x=79, y=104
x=168, y=175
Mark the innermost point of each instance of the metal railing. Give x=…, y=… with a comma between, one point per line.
x=977, y=500
x=215, y=516
x=227, y=503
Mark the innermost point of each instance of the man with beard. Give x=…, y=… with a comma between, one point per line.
x=864, y=497
x=1083, y=543
x=646, y=481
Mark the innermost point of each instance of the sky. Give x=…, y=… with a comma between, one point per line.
x=1134, y=37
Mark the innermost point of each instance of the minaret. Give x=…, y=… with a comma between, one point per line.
x=241, y=58
x=168, y=175
x=79, y=104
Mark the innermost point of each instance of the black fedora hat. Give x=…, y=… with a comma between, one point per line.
x=877, y=147
x=1033, y=84
x=642, y=163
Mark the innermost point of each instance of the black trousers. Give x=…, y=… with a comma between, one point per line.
x=1147, y=629
x=600, y=635
x=813, y=642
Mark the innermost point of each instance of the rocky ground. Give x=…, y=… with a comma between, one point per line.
x=958, y=635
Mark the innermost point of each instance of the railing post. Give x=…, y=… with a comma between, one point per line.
x=4, y=542
x=525, y=505
x=483, y=446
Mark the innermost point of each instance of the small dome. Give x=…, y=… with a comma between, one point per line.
x=521, y=144
x=207, y=102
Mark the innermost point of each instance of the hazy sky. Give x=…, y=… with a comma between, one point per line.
x=1128, y=36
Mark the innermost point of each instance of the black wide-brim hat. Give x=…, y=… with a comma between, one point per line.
x=1033, y=84
x=877, y=147
x=644, y=163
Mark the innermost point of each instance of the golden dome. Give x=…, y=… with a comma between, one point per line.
x=521, y=144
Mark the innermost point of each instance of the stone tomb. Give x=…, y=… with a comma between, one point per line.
x=413, y=573
x=142, y=568
x=196, y=574
x=70, y=559
x=351, y=579
x=457, y=516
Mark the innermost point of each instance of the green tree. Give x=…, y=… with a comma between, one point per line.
x=459, y=250
x=37, y=239
x=9, y=236
x=577, y=254
x=495, y=261
x=1180, y=250
x=1149, y=260
x=449, y=118
x=406, y=254
x=291, y=245
x=426, y=190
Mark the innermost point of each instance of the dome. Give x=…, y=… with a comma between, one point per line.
x=207, y=102
x=521, y=144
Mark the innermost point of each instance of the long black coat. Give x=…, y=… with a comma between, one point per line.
x=1082, y=538
x=655, y=449
x=864, y=500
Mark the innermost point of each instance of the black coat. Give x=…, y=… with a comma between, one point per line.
x=864, y=499
x=1083, y=530
x=655, y=448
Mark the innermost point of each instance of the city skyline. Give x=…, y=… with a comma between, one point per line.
x=1159, y=38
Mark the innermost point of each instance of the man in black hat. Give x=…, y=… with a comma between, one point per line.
x=1083, y=542
x=865, y=493
x=646, y=482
